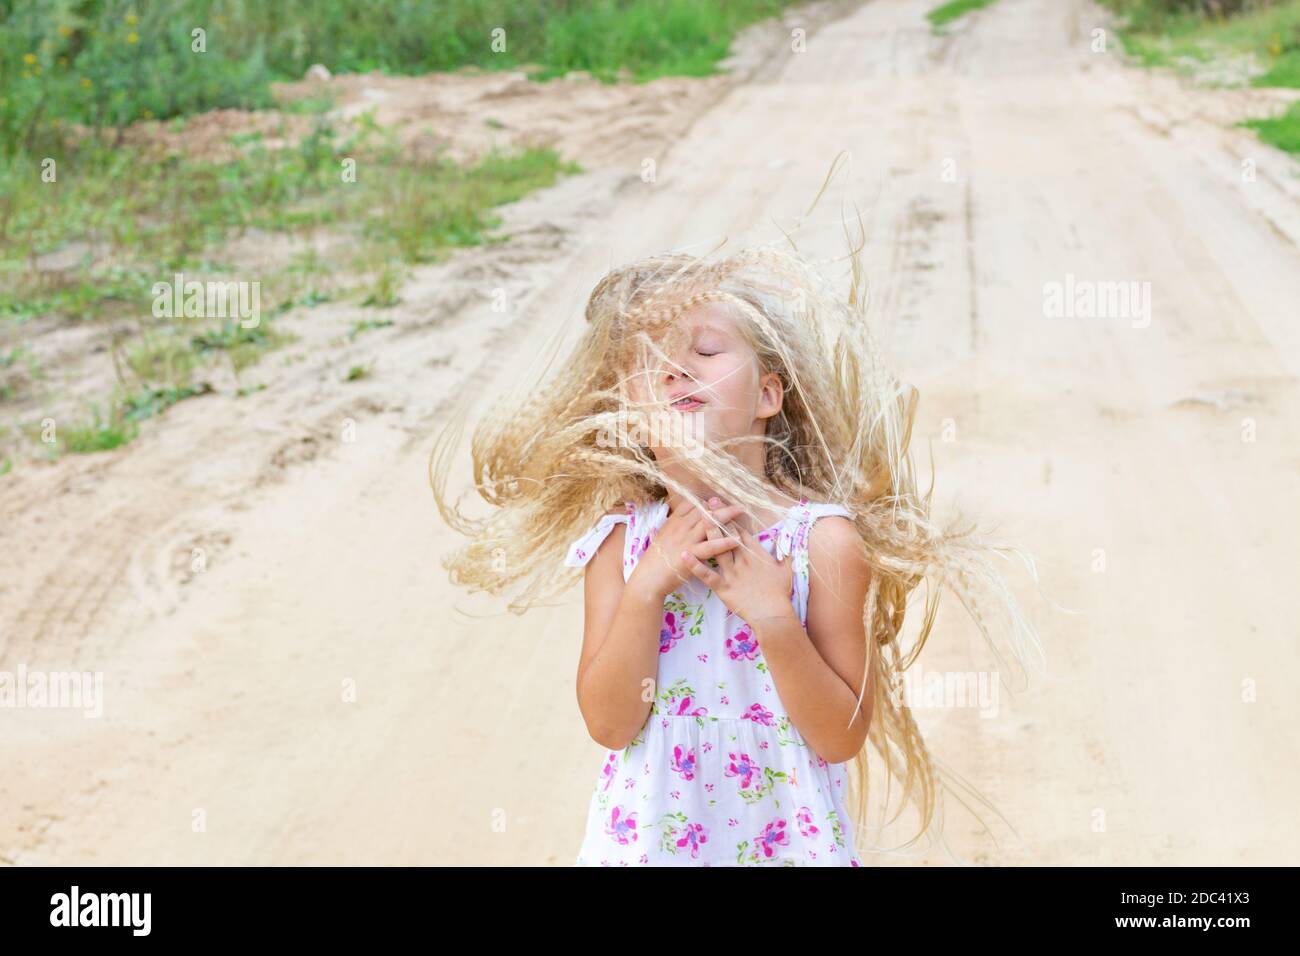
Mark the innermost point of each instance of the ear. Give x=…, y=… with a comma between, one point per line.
x=771, y=394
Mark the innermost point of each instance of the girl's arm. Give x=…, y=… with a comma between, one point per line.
x=620, y=648
x=819, y=671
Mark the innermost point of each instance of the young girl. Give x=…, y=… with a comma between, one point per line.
x=749, y=531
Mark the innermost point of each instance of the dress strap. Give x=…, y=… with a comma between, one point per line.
x=792, y=539
x=581, y=551
x=792, y=533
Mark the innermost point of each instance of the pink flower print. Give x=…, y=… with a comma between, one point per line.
x=611, y=765
x=670, y=633
x=805, y=819
x=743, y=645
x=620, y=828
x=744, y=768
x=773, y=835
x=684, y=762
x=693, y=836
x=758, y=714
x=683, y=709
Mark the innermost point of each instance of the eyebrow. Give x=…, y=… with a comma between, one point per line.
x=711, y=328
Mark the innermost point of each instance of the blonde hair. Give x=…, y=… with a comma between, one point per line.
x=841, y=436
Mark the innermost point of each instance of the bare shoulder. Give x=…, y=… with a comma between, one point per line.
x=838, y=581
x=837, y=552
x=835, y=533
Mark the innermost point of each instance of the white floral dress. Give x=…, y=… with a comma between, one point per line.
x=718, y=775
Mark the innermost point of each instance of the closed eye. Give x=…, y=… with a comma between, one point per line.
x=707, y=354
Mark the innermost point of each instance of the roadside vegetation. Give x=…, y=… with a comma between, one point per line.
x=91, y=219
x=1226, y=42
x=941, y=16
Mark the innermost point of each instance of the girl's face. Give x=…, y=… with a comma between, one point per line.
x=715, y=383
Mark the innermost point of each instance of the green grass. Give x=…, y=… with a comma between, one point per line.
x=122, y=423
x=384, y=291
x=154, y=401
x=110, y=62
x=948, y=12
x=365, y=325
x=99, y=434
x=161, y=218
x=1284, y=70
x=1183, y=37
x=165, y=217
x=89, y=246
x=1281, y=131
x=1178, y=34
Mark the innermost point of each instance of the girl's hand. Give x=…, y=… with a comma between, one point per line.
x=749, y=581
x=661, y=568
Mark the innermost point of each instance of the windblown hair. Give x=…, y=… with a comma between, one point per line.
x=570, y=452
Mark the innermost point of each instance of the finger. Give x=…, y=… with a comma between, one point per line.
x=701, y=570
x=709, y=549
x=726, y=562
x=721, y=516
x=752, y=549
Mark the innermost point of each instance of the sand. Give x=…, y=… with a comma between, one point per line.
x=319, y=693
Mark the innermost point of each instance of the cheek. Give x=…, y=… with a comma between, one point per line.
x=736, y=385
x=638, y=389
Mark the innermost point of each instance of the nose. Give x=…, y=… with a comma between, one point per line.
x=679, y=369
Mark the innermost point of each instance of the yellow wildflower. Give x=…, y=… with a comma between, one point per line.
x=131, y=38
x=29, y=57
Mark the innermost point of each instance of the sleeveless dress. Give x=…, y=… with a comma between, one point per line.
x=718, y=775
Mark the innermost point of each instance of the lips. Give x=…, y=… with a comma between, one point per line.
x=687, y=402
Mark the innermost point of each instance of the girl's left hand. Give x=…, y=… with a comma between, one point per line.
x=748, y=580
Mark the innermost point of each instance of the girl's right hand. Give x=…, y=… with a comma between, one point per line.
x=660, y=569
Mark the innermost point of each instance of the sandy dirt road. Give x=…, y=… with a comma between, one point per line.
x=1151, y=467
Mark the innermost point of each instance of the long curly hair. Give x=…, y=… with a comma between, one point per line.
x=570, y=450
